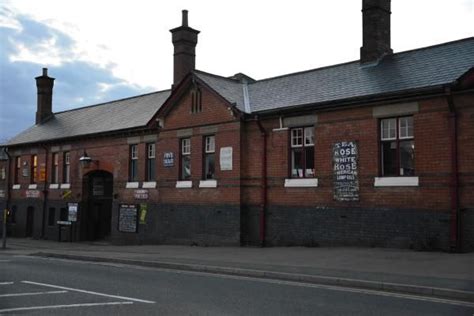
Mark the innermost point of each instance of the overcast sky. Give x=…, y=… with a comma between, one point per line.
x=104, y=50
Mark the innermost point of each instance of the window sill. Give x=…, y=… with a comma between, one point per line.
x=16, y=187
x=65, y=185
x=149, y=185
x=208, y=184
x=184, y=184
x=54, y=186
x=32, y=186
x=301, y=183
x=132, y=185
x=396, y=182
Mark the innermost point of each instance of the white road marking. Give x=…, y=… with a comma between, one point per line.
x=32, y=293
x=17, y=309
x=89, y=292
x=6, y=283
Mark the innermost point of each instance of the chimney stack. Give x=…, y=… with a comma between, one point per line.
x=184, y=40
x=376, y=30
x=44, y=85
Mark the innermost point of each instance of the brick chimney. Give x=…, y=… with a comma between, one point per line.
x=44, y=84
x=376, y=30
x=184, y=40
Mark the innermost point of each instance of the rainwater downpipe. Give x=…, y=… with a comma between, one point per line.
x=455, y=221
x=263, y=207
x=45, y=191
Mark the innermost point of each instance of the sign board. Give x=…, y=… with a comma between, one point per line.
x=141, y=194
x=345, y=167
x=143, y=211
x=168, y=159
x=2, y=193
x=33, y=194
x=225, y=158
x=64, y=223
x=72, y=211
x=128, y=218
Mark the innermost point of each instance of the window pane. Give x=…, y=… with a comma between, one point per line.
x=297, y=137
x=209, y=166
x=389, y=159
x=133, y=170
x=186, y=146
x=186, y=167
x=406, y=127
x=388, y=129
x=151, y=150
x=407, y=158
x=309, y=136
x=309, y=170
x=150, y=170
x=210, y=144
x=134, y=152
x=296, y=163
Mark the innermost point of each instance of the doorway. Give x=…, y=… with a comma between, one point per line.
x=30, y=213
x=97, y=214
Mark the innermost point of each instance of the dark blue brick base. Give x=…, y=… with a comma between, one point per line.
x=203, y=225
x=313, y=226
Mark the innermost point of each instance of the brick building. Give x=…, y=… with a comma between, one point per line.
x=374, y=152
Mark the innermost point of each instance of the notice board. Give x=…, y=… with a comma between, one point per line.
x=128, y=218
x=345, y=166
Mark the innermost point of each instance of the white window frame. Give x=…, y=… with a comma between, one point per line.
x=210, y=147
x=389, y=129
x=151, y=150
x=186, y=146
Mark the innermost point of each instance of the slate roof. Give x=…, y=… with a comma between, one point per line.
x=416, y=69
x=423, y=68
x=107, y=117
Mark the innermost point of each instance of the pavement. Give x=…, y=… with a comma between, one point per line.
x=438, y=274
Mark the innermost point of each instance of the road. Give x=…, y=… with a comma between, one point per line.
x=39, y=286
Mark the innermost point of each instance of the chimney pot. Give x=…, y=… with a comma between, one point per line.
x=185, y=17
x=45, y=72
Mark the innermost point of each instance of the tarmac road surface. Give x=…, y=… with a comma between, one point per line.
x=39, y=286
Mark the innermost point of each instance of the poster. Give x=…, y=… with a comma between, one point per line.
x=128, y=218
x=140, y=194
x=225, y=158
x=72, y=211
x=168, y=159
x=345, y=166
x=143, y=211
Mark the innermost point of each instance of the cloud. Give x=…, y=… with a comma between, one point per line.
x=30, y=45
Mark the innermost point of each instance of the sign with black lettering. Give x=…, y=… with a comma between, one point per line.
x=345, y=166
x=128, y=218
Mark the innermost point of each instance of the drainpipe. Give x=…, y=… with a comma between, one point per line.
x=454, y=236
x=7, y=206
x=263, y=206
x=45, y=191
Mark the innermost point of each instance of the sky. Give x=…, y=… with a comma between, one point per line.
x=100, y=51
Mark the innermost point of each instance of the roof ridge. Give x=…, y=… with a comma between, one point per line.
x=112, y=101
x=217, y=76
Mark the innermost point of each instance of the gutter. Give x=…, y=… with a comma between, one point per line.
x=264, y=193
x=455, y=222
